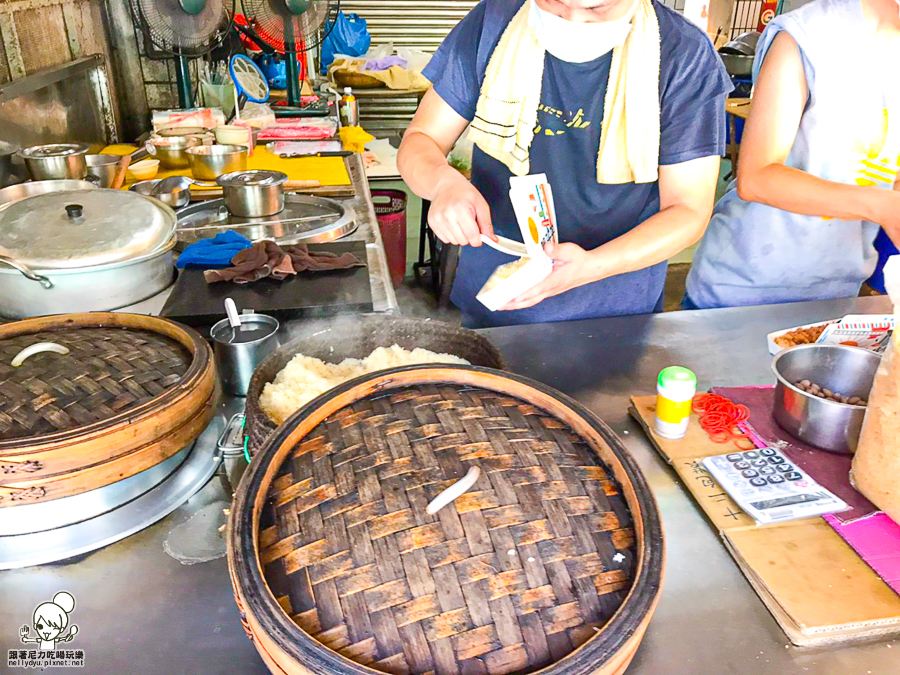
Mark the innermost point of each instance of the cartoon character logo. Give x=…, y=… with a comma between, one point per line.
x=50, y=620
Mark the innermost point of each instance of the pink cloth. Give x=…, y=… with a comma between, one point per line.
x=877, y=541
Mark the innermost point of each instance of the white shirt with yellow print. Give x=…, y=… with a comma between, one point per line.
x=754, y=254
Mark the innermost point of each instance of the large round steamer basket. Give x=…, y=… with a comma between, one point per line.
x=334, y=339
x=131, y=392
x=552, y=562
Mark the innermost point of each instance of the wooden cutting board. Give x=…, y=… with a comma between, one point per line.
x=308, y=294
x=816, y=587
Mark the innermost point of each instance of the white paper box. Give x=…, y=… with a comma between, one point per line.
x=529, y=276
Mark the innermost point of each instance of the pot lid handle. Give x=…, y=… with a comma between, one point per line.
x=74, y=211
x=26, y=271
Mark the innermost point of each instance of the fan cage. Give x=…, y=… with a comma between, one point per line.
x=269, y=25
x=157, y=46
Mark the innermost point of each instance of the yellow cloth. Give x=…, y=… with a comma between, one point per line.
x=354, y=139
x=506, y=111
x=329, y=171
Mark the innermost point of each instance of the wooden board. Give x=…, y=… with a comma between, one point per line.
x=817, y=588
x=307, y=294
x=329, y=171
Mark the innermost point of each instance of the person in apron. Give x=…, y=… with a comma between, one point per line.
x=543, y=84
x=819, y=157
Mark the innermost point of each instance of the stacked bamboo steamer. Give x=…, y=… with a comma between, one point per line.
x=131, y=392
x=551, y=561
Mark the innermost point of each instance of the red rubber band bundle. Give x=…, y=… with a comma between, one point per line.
x=719, y=418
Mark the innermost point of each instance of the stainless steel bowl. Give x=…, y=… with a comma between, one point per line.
x=104, y=167
x=171, y=151
x=828, y=425
x=56, y=161
x=208, y=162
x=176, y=198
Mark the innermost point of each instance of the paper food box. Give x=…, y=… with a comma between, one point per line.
x=868, y=331
x=532, y=201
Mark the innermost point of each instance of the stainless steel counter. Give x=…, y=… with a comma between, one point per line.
x=140, y=611
x=383, y=296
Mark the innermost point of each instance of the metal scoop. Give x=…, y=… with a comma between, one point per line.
x=175, y=184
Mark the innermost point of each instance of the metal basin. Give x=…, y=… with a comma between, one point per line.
x=208, y=162
x=828, y=425
x=172, y=151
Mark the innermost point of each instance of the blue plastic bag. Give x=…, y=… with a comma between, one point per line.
x=349, y=36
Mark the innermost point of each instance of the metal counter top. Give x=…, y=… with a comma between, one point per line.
x=141, y=611
x=383, y=297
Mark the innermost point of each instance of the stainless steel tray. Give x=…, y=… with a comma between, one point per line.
x=304, y=220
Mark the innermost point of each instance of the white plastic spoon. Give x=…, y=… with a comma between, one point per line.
x=508, y=246
x=234, y=319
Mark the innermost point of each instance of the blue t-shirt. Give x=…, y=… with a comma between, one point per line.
x=693, y=85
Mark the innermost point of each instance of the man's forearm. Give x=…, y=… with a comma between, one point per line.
x=422, y=164
x=657, y=239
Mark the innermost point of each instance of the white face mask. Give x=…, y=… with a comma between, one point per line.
x=578, y=42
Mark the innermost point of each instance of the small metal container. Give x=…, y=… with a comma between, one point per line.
x=104, y=167
x=236, y=360
x=56, y=161
x=826, y=424
x=175, y=198
x=171, y=151
x=208, y=162
x=253, y=194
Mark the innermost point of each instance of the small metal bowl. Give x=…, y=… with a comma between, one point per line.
x=828, y=425
x=176, y=198
x=208, y=162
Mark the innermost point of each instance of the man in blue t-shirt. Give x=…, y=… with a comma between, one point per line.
x=615, y=237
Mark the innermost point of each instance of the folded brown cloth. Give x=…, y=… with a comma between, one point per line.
x=268, y=259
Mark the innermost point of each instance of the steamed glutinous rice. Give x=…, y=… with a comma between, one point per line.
x=304, y=377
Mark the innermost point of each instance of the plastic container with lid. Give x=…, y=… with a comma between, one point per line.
x=675, y=387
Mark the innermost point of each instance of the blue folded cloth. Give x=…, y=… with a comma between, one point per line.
x=213, y=253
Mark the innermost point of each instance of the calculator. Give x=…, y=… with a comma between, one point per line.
x=769, y=487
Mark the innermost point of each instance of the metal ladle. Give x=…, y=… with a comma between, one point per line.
x=175, y=183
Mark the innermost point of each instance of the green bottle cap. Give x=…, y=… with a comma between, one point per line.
x=677, y=376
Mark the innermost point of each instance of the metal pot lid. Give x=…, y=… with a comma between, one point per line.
x=251, y=178
x=54, y=150
x=83, y=228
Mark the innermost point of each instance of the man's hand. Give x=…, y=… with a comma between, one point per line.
x=572, y=267
x=458, y=213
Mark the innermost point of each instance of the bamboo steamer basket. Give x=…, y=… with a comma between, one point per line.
x=335, y=339
x=552, y=562
x=132, y=391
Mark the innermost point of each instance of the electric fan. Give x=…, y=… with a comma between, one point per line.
x=183, y=29
x=292, y=27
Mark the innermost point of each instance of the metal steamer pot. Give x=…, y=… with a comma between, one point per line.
x=82, y=251
x=56, y=161
x=253, y=194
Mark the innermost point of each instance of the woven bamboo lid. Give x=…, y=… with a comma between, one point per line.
x=131, y=391
x=108, y=370
x=551, y=560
